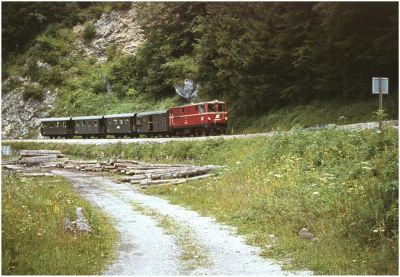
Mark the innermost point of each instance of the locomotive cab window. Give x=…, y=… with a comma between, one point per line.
x=202, y=109
x=212, y=108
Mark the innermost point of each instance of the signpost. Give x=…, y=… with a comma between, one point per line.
x=380, y=86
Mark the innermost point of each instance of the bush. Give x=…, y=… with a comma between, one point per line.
x=33, y=90
x=89, y=31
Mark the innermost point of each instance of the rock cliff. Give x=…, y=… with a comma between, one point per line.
x=20, y=118
x=114, y=28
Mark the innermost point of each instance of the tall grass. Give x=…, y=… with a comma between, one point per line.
x=33, y=238
x=314, y=113
x=341, y=185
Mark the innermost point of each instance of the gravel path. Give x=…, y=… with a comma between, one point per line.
x=146, y=249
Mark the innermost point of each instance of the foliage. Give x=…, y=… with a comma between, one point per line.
x=262, y=58
x=89, y=31
x=331, y=111
x=342, y=185
x=33, y=238
x=33, y=90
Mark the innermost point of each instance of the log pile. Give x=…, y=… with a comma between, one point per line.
x=144, y=174
x=135, y=172
x=35, y=157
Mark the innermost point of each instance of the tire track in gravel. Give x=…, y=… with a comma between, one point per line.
x=147, y=247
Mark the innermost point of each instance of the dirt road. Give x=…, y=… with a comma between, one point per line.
x=158, y=238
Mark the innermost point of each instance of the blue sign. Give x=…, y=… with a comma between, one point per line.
x=380, y=85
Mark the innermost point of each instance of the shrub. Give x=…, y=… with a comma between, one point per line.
x=33, y=90
x=89, y=31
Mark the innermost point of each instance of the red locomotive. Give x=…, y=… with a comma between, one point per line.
x=200, y=119
x=207, y=118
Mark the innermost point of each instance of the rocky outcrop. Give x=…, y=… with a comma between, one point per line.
x=117, y=27
x=20, y=118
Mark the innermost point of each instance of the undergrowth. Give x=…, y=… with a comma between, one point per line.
x=33, y=238
x=341, y=185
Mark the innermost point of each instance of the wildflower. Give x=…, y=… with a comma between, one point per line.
x=315, y=193
x=237, y=162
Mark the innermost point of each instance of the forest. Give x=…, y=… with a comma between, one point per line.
x=254, y=55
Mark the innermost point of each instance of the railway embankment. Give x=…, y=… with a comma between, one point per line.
x=339, y=184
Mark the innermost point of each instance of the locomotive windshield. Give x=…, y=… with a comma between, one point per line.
x=212, y=108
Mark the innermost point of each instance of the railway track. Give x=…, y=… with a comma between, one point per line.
x=97, y=141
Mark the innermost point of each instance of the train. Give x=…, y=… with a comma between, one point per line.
x=199, y=119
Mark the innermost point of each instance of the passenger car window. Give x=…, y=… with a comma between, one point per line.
x=221, y=107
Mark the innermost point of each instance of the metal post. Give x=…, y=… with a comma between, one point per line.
x=380, y=93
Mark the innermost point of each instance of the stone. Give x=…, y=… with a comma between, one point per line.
x=306, y=234
x=82, y=226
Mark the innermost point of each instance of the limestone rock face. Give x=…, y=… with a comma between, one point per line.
x=117, y=27
x=20, y=118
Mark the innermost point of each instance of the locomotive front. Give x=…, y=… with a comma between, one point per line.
x=207, y=118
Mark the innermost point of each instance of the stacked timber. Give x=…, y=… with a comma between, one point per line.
x=135, y=172
x=36, y=157
x=145, y=174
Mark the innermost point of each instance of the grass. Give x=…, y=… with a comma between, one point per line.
x=193, y=255
x=342, y=185
x=33, y=238
x=314, y=113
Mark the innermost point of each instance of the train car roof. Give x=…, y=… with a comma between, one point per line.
x=51, y=119
x=120, y=115
x=201, y=103
x=87, y=117
x=151, y=113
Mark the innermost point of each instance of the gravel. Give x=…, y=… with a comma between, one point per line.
x=350, y=127
x=146, y=249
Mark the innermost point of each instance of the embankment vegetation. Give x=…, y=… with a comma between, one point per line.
x=264, y=59
x=341, y=185
x=33, y=237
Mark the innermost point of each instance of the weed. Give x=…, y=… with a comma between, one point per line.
x=341, y=185
x=33, y=238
